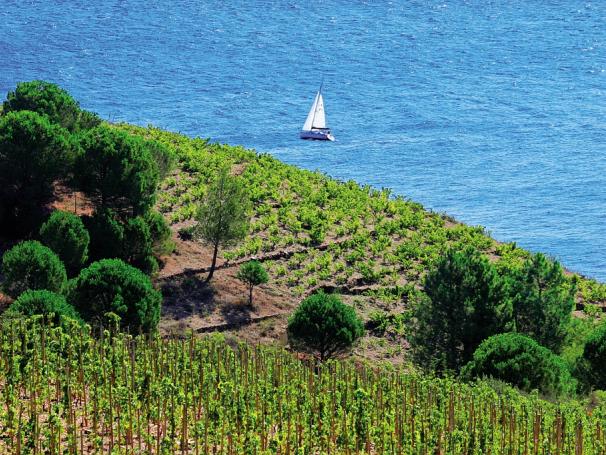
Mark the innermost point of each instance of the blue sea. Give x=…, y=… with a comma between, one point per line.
x=493, y=112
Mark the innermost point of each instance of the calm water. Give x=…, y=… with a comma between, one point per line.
x=494, y=112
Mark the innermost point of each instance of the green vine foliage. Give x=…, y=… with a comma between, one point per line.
x=65, y=392
x=299, y=209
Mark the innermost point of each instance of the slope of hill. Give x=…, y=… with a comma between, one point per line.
x=312, y=232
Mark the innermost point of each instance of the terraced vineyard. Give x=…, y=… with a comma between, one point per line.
x=65, y=392
x=335, y=235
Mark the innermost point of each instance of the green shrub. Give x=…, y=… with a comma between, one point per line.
x=52, y=101
x=106, y=235
x=595, y=356
x=31, y=265
x=65, y=234
x=112, y=286
x=323, y=325
x=45, y=303
x=522, y=362
x=252, y=274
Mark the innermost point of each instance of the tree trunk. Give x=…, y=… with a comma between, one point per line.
x=213, y=264
x=250, y=296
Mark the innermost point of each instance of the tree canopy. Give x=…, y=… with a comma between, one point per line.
x=50, y=100
x=323, y=325
x=594, y=354
x=467, y=302
x=117, y=171
x=543, y=300
x=252, y=274
x=223, y=217
x=33, y=154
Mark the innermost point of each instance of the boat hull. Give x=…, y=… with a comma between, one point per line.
x=317, y=135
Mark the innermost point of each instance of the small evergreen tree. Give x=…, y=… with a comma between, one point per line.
x=594, y=354
x=117, y=171
x=323, y=325
x=466, y=304
x=31, y=265
x=522, y=362
x=222, y=218
x=543, y=300
x=252, y=274
x=65, y=234
x=52, y=101
x=112, y=286
x=33, y=154
x=45, y=303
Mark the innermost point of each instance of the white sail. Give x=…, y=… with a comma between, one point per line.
x=319, y=120
x=310, y=117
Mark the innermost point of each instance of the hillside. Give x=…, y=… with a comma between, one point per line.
x=312, y=232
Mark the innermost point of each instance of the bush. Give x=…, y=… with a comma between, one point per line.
x=52, y=101
x=594, y=355
x=33, y=154
x=138, y=245
x=543, y=300
x=252, y=274
x=160, y=233
x=65, y=234
x=467, y=304
x=112, y=286
x=31, y=265
x=522, y=362
x=45, y=303
x=323, y=325
x=106, y=235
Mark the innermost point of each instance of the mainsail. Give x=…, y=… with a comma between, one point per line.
x=316, y=117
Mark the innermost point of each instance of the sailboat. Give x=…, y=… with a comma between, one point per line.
x=315, y=124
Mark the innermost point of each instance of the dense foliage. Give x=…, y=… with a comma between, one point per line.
x=42, y=302
x=467, y=302
x=223, y=217
x=111, y=286
x=520, y=361
x=31, y=265
x=50, y=100
x=65, y=234
x=543, y=300
x=117, y=171
x=138, y=245
x=323, y=325
x=595, y=356
x=64, y=392
x=252, y=274
x=33, y=154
